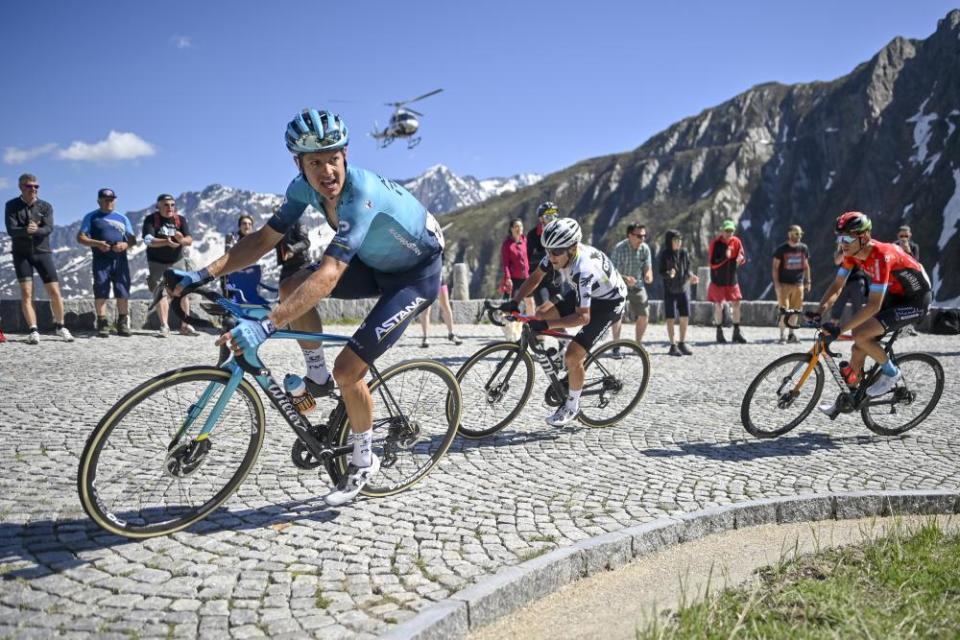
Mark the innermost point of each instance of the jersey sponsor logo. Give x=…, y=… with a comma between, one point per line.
x=396, y=319
x=368, y=204
x=408, y=244
x=343, y=228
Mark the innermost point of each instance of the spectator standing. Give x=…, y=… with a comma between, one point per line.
x=109, y=235
x=446, y=313
x=166, y=233
x=791, y=276
x=244, y=285
x=673, y=265
x=726, y=256
x=549, y=287
x=516, y=265
x=905, y=240
x=631, y=257
x=29, y=222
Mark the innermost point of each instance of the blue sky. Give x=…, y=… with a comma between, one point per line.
x=172, y=96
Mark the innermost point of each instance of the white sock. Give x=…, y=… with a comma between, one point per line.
x=316, y=365
x=573, y=399
x=362, y=445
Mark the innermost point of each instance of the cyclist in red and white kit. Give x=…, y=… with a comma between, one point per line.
x=900, y=295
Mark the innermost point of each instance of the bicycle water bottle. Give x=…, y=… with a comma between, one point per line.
x=296, y=388
x=848, y=374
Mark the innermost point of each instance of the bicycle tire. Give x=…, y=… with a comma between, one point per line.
x=752, y=423
x=98, y=449
x=632, y=354
x=445, y=409
x=478, y=397
x=871, y=418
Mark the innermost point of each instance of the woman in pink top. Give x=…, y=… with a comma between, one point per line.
x=516, y=268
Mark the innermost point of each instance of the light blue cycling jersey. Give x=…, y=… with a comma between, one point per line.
x=380, y=222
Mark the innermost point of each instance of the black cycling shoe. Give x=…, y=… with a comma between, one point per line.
x=318, y=390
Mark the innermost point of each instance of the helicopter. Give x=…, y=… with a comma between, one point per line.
x=403, y=123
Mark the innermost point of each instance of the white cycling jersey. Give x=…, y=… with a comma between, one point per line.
x=592, y=276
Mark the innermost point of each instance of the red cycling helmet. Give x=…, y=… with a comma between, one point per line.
x=852, y=222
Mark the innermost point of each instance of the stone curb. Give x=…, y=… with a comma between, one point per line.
x=514, y=587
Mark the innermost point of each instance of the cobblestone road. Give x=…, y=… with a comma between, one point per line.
x=277, y=562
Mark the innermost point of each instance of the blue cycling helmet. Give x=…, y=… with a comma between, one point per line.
x=313, y=130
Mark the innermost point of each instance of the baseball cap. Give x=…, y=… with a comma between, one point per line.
x=106, y=193
x=165, y=196
x=728, y=225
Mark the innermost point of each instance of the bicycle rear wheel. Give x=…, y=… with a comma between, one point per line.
x=911, y=401
x=496, y=383
x=770, y=408
x=616, y=378
x=416, y=411
x=137, y=480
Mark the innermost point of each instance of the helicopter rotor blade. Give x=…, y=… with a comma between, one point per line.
x=426, y=95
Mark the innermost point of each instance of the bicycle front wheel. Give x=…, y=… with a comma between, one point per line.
x=772, y=406
x=496, y=383
x=138, y=479
x=416, y=410
x=912, y=399
x=616, y=378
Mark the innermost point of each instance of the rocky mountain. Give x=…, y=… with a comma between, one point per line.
x=882, y=139
x=212, y=215
x=442, y=191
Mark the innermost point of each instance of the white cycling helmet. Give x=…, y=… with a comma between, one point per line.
x=561, y=234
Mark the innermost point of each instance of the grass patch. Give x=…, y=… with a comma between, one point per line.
x=530, y=554
x=321, y=600
x=422, y=565
x=905, y=584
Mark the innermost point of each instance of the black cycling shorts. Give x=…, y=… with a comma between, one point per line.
x=24, y=264
x=898, y=312
x=603, y=313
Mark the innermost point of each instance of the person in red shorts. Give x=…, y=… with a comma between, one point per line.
x=726, y=256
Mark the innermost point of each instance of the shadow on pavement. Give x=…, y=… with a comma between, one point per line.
x=799, y=445
x=52, y=545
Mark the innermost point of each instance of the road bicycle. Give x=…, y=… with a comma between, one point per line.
x=785, y=392
x=497, y=380
x=176, y=447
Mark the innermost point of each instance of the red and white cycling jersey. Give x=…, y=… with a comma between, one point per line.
x=891, y=270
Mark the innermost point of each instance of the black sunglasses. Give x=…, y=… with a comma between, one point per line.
x=31, y=186
x=639, y=235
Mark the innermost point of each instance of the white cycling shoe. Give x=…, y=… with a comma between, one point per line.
x=884, y=384
x=351, y=484
x=563, y=416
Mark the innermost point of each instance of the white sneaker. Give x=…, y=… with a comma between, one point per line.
x=188, y=330
x=33, y=338
x=64, y=333
x=164, y=331
x=351, y=484
x=884, y=384
x=564, y=415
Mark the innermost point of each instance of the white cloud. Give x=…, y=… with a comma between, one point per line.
x=12, y=155
x=4, y=183
x=182, y=42
x=117, y=146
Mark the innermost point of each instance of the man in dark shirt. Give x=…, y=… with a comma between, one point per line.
x=726, y=256
x=549, y=287
x=791, y=275
x=905, y=240
x=29, y=223
x=166, y=233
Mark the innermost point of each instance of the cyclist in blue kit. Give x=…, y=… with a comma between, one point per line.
x=386, y=245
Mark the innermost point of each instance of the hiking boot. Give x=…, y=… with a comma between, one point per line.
x=454, y=339
x=318, y=390
x=684, y=349
x=564, y=415
x=352, y=482
x=738, y=337
x=884, y=384
x=64, y=333
x=103, y=328
x=674, y=351
x=33, y=337
x=720, y=338
x=123, y=326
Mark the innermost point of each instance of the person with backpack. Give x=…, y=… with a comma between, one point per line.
x=166, y=233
